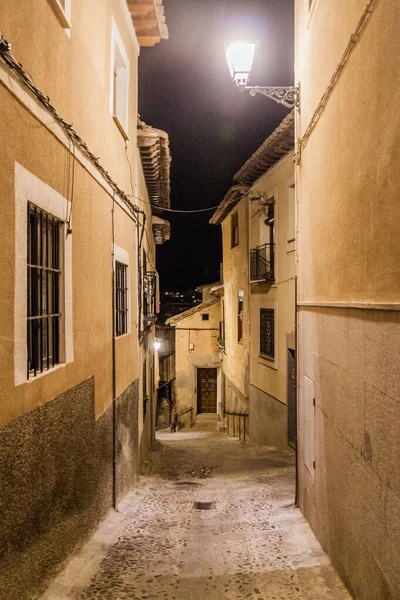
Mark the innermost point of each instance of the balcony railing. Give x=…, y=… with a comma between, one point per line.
x=149, y=296
x=262, y=263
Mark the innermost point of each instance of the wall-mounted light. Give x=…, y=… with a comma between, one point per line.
x=157, y=344
x=240, y=57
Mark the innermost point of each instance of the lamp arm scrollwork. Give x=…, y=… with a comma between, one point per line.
x=288, y=96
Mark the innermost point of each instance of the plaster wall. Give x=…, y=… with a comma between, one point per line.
x=44, y=465
x=352, y=496
x=348, y=249
x=236, y=278
x=268, y=378
x=348, y=181
x=74, y=70
x=204, y=337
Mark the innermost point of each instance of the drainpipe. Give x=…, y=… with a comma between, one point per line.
x=296, y=388
x=114, y=407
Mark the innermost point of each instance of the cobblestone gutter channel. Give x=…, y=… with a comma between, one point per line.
x=245, y=539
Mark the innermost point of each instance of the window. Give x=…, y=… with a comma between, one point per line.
x=234, y=230
x=36, y=291
x=62, y=9
x=240, y=315
x=119, y=81
x=205, y=317
x=121, y=298
x=262, y=258
x=267, y=332
x=149, y=295
x=44, y=279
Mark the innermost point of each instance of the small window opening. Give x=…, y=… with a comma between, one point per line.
x=235, y=230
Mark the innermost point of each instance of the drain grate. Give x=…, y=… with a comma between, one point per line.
x=187, y=483
x=203, y=505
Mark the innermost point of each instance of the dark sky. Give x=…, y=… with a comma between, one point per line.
x=185, y=89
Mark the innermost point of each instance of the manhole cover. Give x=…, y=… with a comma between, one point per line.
x=203, y=505
x=186, y=483
x=201, y=471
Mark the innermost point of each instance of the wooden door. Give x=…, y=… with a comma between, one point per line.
x=206, y=390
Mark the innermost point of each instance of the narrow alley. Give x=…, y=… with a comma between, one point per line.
x=213, y=518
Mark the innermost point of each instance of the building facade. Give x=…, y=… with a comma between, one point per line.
x=257, y=219
x=348, y=293
x=198, y=389
x=78, y=275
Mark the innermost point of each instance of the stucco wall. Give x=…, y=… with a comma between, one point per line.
x=268, y=378
x=352, y=497
x=59, y=483
x=204, y=337
x=348, y=247
x=236, y=278
x=56, y=472
x=348, y=180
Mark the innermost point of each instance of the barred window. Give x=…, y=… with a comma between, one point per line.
x=121, y=298
x=267, y=332
x=44, y=273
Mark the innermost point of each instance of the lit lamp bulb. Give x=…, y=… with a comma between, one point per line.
x=157, y=345
x=240, y=57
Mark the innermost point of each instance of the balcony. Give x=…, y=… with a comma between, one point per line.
x=149, y=296
x=262, y=263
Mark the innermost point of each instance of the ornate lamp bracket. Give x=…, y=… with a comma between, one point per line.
x=288, y=96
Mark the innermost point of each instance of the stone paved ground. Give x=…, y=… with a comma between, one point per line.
x=253, y=544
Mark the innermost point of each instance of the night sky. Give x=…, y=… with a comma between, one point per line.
x=185, y=89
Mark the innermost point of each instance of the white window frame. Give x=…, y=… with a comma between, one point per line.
x=116, y=41
x=312, y=6
x=122, y=256
x=63, y=13
x=29, y=188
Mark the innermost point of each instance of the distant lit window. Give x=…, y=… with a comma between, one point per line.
x=119, y=81
x=240, y=315
x=267, y=332
x=234, y=230
x=205, y=317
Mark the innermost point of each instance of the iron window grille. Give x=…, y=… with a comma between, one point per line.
x=149, y=294
x=262, y=263
x=44, y=273
x=205, y=317
x=267, y=332
x=262, y=258
x=121, y=299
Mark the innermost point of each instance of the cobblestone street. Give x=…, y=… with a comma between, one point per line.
x=244, y=541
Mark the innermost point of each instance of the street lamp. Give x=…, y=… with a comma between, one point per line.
x=157, y=344
x=240, y=57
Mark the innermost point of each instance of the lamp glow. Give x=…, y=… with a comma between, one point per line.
x=240, y=57
x=157, y=345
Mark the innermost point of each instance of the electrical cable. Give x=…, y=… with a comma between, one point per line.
x=26, y=79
